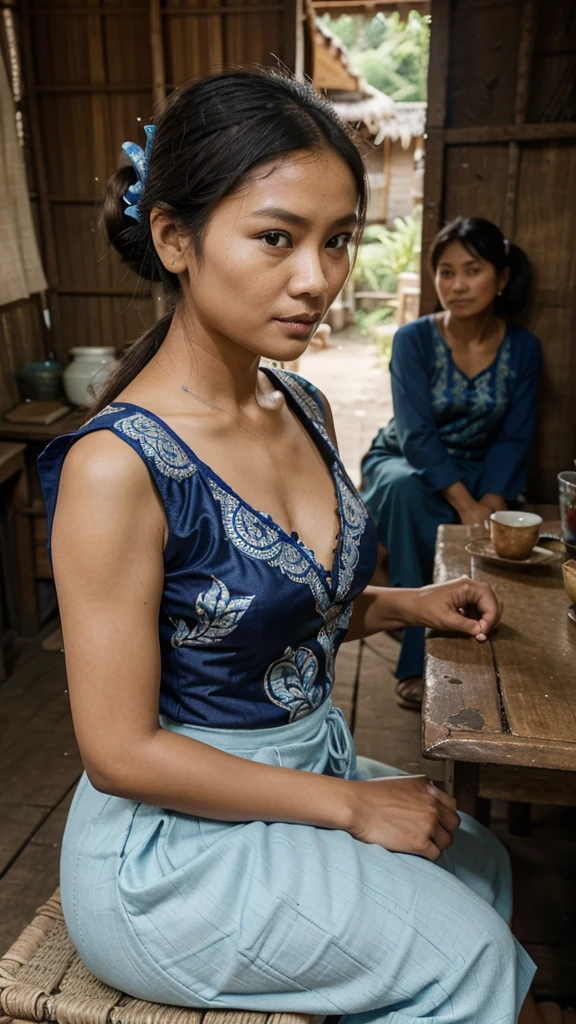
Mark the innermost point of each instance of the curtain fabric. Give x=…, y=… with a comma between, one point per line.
x=21, y=272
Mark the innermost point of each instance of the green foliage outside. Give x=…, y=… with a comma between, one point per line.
x=386, y=252
x=391, y=54
x=382, y=255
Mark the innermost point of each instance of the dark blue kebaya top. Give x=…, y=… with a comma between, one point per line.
x=249, y=622
x=444, y=419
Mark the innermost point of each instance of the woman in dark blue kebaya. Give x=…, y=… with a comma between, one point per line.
x=464, y=385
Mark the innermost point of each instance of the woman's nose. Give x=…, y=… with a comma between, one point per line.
x=308, y=276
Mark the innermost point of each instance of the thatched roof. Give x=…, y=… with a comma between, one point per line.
x=373, y=108
x=384, y=117
x=409, y=122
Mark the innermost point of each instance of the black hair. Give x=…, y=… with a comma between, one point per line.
x=482, y=238
x=210, y=136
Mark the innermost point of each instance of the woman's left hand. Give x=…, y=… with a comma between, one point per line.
x=463, y=605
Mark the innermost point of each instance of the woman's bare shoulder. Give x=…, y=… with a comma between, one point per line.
x=103, y=466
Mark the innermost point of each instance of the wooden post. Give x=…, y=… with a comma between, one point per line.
x=47, y=227
x=435, y=124
x=157, y=53
x=293, y=51
x=386, y=147
x=158, y=95
x=525, y=53
x=462, y=782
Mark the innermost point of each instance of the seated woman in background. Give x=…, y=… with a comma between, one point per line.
x=464, y=385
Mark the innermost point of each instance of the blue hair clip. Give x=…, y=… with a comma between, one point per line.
x=139, y=158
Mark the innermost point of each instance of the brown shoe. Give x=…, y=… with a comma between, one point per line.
x=409, y=693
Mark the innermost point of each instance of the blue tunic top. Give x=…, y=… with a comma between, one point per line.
x=442, y=418
x=250, y=622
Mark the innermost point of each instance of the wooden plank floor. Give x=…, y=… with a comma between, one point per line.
x=39, y=767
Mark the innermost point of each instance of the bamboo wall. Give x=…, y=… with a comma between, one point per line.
x=501, y=143
x=94, y=71
x=21, y=324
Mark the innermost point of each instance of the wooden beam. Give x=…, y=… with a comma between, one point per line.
x=89, y=12
x=194, y=12
x=72, y=200
x=435, y=119
x=177, y=12
x=482, y=134
x=123, y=293
x=92, y=87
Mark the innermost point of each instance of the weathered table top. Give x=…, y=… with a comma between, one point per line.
x=42, y=432
x=512, y=700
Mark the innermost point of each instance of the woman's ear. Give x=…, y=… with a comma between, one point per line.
x=171, y=241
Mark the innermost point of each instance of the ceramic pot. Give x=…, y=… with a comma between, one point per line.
x=88, y=372
x=41, y=382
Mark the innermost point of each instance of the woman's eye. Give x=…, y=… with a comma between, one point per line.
x=339, y=241
x=276, y=239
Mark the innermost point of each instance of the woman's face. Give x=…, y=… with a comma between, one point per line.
x=465, y=283
x=275, y=254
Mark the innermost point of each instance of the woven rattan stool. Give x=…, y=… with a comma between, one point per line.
x=43, y=979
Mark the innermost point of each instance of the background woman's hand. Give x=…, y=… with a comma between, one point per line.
x=463, y=605
x=475, y=514
x=404, y=814
x=495, y=502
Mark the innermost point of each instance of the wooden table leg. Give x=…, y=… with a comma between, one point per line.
x=519, y=818
x=27, y=612
x=462, y=782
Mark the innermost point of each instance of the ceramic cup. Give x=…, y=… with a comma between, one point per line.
x=514, y=534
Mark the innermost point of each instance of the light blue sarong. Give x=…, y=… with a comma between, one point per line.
x=285, y=917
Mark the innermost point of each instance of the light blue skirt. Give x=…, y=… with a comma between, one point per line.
x=278, y=917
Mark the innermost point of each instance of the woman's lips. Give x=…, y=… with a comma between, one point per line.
x=297, y=328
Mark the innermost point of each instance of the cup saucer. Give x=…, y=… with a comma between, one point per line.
x=482, y=548
x=572, y=612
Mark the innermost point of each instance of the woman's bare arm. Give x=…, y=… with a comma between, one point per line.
x=107, y=544
x=462, y=605
x=107, y=548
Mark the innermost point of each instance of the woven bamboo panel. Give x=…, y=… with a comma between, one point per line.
x=42, y=979
x=96, y=69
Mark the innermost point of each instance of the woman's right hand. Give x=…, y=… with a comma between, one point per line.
x=404, y=814
x=474, y=514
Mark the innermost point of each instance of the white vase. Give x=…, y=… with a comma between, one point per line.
x=87, y=374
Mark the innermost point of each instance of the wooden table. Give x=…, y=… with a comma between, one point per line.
x=28, y=561
x=16, y=572
x=503, y=713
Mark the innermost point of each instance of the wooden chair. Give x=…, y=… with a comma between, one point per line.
x=42, y=979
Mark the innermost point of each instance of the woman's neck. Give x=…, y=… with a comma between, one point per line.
x=209, y=366
x=473, y=330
